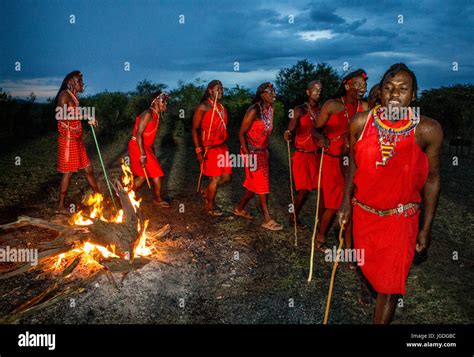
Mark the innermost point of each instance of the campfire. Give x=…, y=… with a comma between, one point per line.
x=95, y=240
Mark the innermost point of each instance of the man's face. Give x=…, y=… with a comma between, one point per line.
x=77, y=83
x=356, y=87
x=269, y=95
x=217, y=90
x=397, y=91
x=314, y=92
x=162, y=105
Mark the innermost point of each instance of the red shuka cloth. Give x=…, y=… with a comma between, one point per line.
x=332, y=180
x=388, y=242
x=305, y=165
x=72, y=155
x=258, y=181
x=153, y=168
x=216, y=161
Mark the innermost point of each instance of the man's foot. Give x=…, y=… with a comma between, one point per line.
x=162, y=204
x=215, y=212
x=62, y=210
x=321, y=246
x=299, y=224
x=271, y=225
x=204, y=195
x=242, y=213
x=352, y=266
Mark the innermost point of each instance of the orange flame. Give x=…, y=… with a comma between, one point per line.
x=95, y=202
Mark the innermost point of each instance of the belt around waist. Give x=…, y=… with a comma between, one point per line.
x=255, y=148
x=328, y=154
x=305, y=151
x=408, y=209
x=214, y=146
x=73, y=139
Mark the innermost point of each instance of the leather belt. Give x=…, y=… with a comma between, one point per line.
x=305, y=151
x=408, y=209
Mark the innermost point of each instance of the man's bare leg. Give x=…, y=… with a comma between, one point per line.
x=301, y=197
x=91, y=178
x=157, y=186
x=326, y=220
x=385, y=308
x=248, y=195
x=63, y=187
x=138, y=182
x=264, y=206
x=211, y=191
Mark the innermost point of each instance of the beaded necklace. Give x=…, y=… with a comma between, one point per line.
x=388, y=136
x=220, y=112
x=74, y=98
x=267, y=117
x=346, y=113
x=312, y=115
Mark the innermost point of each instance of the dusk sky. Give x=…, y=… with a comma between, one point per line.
x=215, y=34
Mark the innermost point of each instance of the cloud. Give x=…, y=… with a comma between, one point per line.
x=42, y=87
x=316, y=35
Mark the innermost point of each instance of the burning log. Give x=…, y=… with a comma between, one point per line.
x=117, y=244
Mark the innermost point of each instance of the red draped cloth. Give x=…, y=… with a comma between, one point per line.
x=153, y=168
x=388, y=242
x=305, y=161
x=258, y=181
x=217, y=160
x=72, y=155
x=332, y=179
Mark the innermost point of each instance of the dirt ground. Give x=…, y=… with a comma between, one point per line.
x=229, y=270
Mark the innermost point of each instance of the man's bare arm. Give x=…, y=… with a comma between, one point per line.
x=245, y=126
x=355, y=130
x=430, y=136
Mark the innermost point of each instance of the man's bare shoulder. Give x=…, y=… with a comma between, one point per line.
x=429, y=125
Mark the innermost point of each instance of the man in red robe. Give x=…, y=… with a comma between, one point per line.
x=72, y=155
x=254, y=134
x=210, y=139
x=334, y=119
x=306, y=159
x=142, y=156
x=394, y=165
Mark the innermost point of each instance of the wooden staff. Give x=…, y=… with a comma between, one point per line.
x=205, y=151
x=316, y=219
x=146, y=177
x=103, y=167
x=291, y=192
x=333, y=275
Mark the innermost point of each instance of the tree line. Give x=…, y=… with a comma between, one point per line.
x=451, y=106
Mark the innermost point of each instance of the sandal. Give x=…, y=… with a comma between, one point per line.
x=242, y=213
x=299, y=224
x=215, y=212
x=162, y=204
x=271, y=225
x=322, y=247
x=62, y=212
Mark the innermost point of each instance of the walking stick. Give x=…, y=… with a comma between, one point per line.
x=333, y=275
x=291, y=192
x=146, y=177
x=103, y=167
x=316, y=218
x=205, y=151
